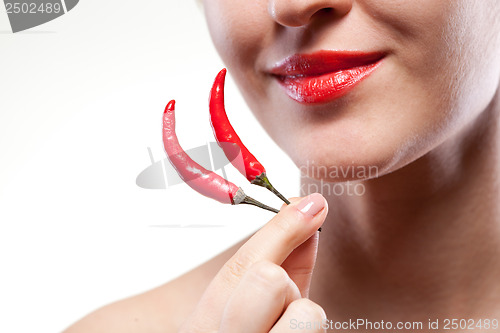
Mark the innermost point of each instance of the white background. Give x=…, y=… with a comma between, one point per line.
x=81, y=99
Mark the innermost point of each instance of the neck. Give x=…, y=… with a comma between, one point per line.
x=421, y=242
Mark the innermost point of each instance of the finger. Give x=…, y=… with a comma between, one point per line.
x=292, y=226
x=292, y=200
x=302, y=315
x=259, y=300
x=300, y=264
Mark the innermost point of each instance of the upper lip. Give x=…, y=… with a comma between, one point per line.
x=322, y=62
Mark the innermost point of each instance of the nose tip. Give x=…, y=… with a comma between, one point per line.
x=296, y=13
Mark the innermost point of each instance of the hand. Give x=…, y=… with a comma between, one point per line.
x=266, y=283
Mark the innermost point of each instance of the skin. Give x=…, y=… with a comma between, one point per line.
x=423, y=241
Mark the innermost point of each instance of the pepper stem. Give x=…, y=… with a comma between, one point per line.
x=263, y=181
x=252, y=201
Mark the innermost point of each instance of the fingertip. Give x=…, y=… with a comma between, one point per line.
x=312, y=205
x=293, y=201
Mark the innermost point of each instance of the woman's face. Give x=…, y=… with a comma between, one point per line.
x=405, y=76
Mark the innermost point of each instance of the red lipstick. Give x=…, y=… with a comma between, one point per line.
x=323, y=76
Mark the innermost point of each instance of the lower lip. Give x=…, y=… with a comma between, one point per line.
x=327, y=87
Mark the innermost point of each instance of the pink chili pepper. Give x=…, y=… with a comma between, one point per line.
x=197, y=177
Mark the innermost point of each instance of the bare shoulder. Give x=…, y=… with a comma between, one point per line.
x=162, y=309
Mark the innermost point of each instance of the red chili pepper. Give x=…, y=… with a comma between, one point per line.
x=197, y=177
x=252, y=169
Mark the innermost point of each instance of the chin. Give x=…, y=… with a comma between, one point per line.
x=343, y=151
x=357, y=151
x=339, y=165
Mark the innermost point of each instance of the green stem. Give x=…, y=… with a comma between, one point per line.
x=263, y=181
x=252, y=201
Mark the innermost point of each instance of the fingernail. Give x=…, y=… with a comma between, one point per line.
x=312, y=204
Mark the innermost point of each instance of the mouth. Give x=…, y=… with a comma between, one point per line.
x=324, y=76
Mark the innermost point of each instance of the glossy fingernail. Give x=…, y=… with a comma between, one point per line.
x=312, y=204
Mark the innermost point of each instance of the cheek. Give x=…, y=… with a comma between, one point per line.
x=452, y=46
x=238, y=29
